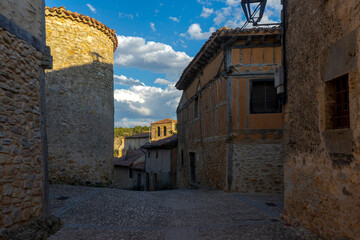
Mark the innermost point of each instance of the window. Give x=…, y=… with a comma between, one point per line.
x=164, y=131
x=263, y=97
x=337, y=102
x=196, y=110
x=155, y=178
x=130, y=173
x=158, y=132
x=148, y=154
x=157, y=154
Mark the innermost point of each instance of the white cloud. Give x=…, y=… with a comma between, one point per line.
x=144, y=103
x=182, y=34
x=91, y=8
x=222, y=15
x=162, y=81
x=152, y=25
x=175, y=19
x=206, y=12
x=196, y=32
x=125, y=15
x=123, y=80
x=233, y=3
x=154, y=56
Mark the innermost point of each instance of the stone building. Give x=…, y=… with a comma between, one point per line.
x=23, y=156
x=322, y=122
x=161, y=163
x=129, y=170
x=80, y=106
x=230, y=116
x=163, y=129
x=135, y=141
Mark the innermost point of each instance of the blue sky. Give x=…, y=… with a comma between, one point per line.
x=157, y=39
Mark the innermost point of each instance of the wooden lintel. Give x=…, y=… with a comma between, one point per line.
x=257, y=45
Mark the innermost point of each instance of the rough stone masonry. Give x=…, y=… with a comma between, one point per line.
x=80, y=108
x=322, y=163
x=22, y=59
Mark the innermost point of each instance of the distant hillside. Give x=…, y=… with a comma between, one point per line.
x=122, y=131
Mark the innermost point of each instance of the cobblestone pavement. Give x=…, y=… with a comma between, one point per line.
x=101, y=213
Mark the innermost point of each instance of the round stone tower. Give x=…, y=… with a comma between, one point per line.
x=80, y=102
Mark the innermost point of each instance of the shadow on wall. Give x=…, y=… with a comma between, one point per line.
x=80, y=123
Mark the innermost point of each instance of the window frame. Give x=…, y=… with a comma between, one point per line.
x=196, y=107
x=332, y=104
x=252, y=81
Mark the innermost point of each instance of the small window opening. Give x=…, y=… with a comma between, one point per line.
x=158, y=132
x=164, y=131
x=196, y=108
x=337, y=103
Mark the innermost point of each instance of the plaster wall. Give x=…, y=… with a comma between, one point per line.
x=322, y=165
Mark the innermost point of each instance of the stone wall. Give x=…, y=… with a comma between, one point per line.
x=21, y=173
x=257, y=166
x=122, y=179
x=322, y=165
x=25, y=13
x=170, y=130
x=80, y=108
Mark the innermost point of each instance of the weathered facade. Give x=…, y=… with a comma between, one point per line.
x=229, y=116
x=23, y=58
x=135, y=141
x=163, y=129
x=161, y=163
x=129, y=170
x=80, y=108
x=322, y=164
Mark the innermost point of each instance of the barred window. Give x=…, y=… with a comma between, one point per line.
x=338, y=114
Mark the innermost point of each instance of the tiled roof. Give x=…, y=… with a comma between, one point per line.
x=169, y=142
x=213, y=46
x=140, y=135
x=138, y=166
x=130, y=157
x=61, y=12
x=166, y=120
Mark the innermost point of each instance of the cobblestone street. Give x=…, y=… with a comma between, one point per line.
x=101, y=213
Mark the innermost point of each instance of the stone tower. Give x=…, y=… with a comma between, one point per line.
x=80, y=102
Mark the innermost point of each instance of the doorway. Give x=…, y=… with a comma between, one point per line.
x=192, y=167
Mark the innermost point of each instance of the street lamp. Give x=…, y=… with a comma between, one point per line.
x=251, y=9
